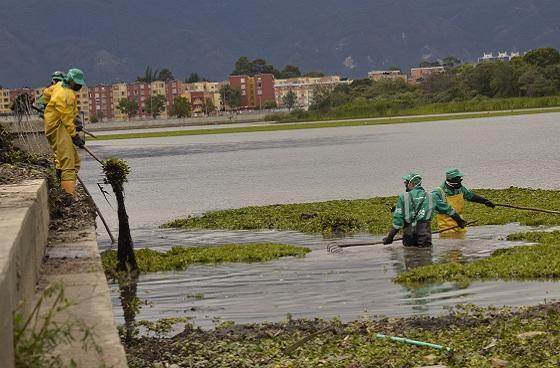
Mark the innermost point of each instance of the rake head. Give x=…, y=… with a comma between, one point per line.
x=334, y=248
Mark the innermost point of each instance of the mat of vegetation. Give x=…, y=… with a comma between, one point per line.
x=179, y=258
x=370, y=215
x=527, y=337
x=534, y=262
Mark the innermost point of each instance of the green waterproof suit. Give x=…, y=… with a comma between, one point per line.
x=413, y=213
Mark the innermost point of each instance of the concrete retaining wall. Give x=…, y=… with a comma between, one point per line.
x=24, y=229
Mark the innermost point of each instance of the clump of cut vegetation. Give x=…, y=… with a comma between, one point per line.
x=116, y=174
x=528, y=262
x=179, y=258
x=370, y=215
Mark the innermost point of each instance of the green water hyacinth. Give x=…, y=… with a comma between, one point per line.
x=179, y=258
x=370, y=215
x=528, y=262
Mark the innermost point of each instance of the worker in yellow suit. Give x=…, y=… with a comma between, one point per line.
x=453, y=193
x=60, y=114
x=56, y=80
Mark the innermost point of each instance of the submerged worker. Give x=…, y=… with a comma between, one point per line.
x=60, y=129
x=452, y=194
x=413, y=213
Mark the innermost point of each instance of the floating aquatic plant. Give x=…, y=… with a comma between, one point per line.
x=179, y=258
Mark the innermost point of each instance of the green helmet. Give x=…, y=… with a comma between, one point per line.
x=453, y=173
x=75, y=75
x=413, y=178
x=58, y=76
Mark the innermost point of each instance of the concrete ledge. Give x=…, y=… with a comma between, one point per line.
x=73, y=258
x=24, y=225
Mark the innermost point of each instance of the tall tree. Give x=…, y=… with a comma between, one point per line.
x=451, y=61
x=165, y=75
x=231, y=97
x=128, y=107
x=542, y=57
x=208, y=106
x=289, y=100
x=181, y=107
x=290, y=71
x=149, y=75
x=193, y=78
x=243, y=66
x=155, y=105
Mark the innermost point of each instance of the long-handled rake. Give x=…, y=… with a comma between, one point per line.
x=527, y=208
x=336, y=247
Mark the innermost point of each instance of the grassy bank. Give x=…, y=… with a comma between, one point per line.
x=316, y=125
x=370, y=215
x=478, y=338
x=361, y=108
x=179, y=258
x=533, y=262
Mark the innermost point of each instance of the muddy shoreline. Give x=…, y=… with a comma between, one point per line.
x=475, y=335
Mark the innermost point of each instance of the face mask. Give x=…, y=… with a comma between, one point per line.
x=76, y=87
x=406, y=186
x=454, y=183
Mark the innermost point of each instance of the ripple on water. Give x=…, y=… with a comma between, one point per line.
x=348, y=285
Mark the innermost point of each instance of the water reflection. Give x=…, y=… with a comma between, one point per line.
x=415, y=257
x=128, y=287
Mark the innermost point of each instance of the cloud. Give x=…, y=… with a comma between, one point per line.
x=349, y=62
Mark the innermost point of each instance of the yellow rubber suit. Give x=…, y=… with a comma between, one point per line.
x=60, y=112
x=43, y=101
x=457, y=202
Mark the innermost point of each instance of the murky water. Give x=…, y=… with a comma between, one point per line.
x=179, y=176
x=347, y=285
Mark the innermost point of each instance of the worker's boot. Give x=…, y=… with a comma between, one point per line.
x=69, y=186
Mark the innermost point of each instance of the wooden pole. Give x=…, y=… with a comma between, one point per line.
x=527, y=208
x=98, y=211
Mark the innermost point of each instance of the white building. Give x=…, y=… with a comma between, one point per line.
x=304, y=88
x=378, y=75
x=501, y=56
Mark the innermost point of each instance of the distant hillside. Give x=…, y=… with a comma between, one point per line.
x=115, y=40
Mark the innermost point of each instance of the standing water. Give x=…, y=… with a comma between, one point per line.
x=188, y=175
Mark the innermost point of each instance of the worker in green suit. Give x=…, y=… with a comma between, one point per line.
x=413, y=213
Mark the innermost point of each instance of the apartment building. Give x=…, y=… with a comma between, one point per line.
x=418, y=75
x=139, y=92
x=119, y=91
x=101, y=102
x=82, y=102
x=304, y=88
x=5, y=101
x=211, y=90
x=158, y=88
x=255, y=91
x=173, y=89
x=396, y=75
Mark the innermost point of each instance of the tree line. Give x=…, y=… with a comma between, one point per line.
x=535, y=74
x=243, y=66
